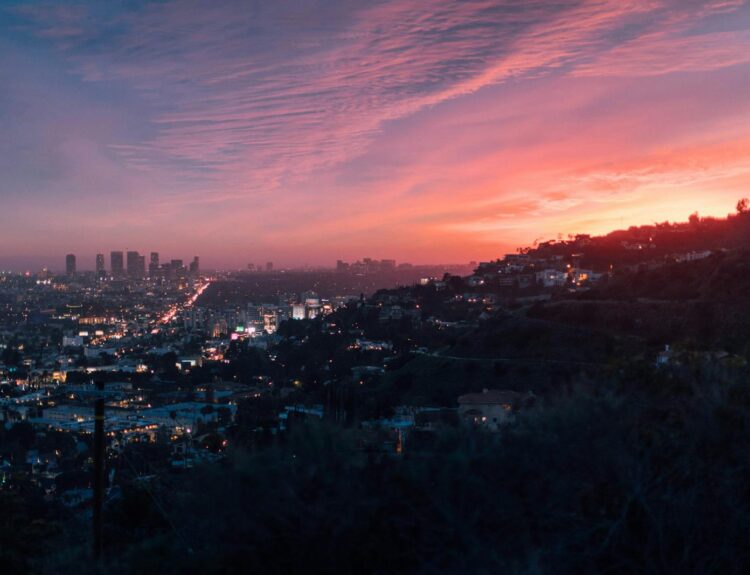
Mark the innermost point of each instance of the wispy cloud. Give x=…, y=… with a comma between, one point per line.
x=237, y=114
x=251, y=96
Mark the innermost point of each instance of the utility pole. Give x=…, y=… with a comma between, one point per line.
x=98, y=469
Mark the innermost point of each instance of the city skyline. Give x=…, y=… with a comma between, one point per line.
x=115, y=263
x=440, y=132
x=124, y=263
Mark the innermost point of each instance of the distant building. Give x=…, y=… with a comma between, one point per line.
x=195, y=267
x=70, y=264
x=492, y=408
x=368, y=266
x=176, y=269
x=552, y=278
x=141, y=268
x=298, y=311
x=153, y=265
x=136, y=266
x=368, y=345
x=584, y=277
x=312, y=304
x=117, y=264
x=693, y=256
x=72, y=341
x=78, y=413
x=100, y=269
x=269, y=266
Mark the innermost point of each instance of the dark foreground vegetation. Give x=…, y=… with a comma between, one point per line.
x=647, y=474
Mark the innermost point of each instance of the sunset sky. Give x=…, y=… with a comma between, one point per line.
x=305, y=132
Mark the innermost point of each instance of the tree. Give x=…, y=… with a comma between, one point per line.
x=23, y=434
x=743, y=205
x=224, y=416
x=10, y=355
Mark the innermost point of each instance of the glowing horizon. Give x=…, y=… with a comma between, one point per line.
x=432, y=132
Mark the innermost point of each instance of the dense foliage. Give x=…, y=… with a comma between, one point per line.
x=648, y=477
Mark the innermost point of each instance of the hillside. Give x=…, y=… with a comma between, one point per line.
x=724, y=276
x=704, y=303
x=656, y=242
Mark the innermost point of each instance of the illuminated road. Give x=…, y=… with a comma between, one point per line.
x=172, y=312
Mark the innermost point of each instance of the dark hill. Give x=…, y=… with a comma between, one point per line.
x=724, y=276
x=704, y=302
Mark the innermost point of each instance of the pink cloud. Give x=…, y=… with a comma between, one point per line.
x=428, y=129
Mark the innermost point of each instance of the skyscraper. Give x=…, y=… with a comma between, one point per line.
x=117, y=264
x=136, y=265
x=153, y=265
x=176, y=270
x=195, y=266
x=140, y=268
x=100, y=265
x=131, y=262
x=70, y=264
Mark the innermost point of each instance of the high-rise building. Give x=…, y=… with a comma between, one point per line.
x=153, y=265
x=175, y=270
x=132, y=263
x=195, y=267
x=70, y=264
x=100, y=271
x=140, y=269
x=269, y=266
x=136, y=266
x=117, y=264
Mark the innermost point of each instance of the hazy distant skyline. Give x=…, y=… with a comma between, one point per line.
x=305, y=132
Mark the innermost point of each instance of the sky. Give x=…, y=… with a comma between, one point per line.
x=309, y=131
